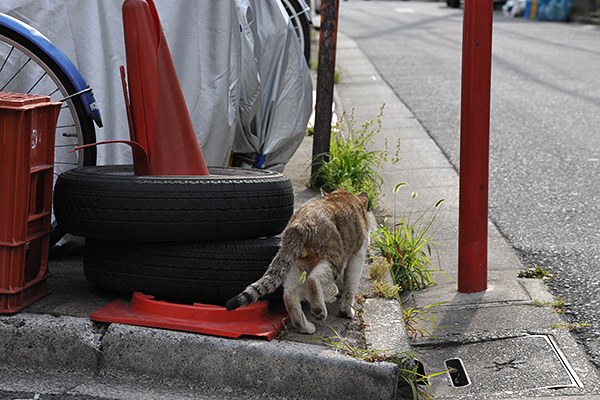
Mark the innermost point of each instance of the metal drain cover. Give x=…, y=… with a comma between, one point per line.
x=502, y=365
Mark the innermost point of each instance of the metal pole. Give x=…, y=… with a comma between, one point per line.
x=325, y=75
x=474, y=146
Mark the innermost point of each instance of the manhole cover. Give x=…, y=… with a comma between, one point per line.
x=513, y=364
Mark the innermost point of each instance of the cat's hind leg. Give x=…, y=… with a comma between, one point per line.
x=321, y=275
x=294, y=293
x=352, y=276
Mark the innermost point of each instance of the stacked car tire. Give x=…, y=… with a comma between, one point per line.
x=181, y=238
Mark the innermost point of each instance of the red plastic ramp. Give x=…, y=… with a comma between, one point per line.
x=256, y=319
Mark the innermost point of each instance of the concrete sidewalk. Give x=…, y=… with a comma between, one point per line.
x=510, y=342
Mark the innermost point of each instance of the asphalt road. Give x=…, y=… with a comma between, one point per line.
x=545, y=128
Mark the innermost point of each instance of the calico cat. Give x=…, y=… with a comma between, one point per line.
x=325, y=241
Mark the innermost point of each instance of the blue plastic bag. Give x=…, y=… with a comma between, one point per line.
x=554, y=10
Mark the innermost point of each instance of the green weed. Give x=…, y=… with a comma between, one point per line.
x=351, y=164
x=536, y=272
x=310, y=131
x=411, y=370
x=408, y=246
x=385, y=289
x=379, y=268
x=571, y=326
x=558, y=304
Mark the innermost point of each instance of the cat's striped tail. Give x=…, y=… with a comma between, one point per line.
x=292, y=245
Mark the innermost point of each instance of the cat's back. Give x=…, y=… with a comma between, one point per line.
x=335, y=210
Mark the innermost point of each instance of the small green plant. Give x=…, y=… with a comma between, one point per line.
x=351, y=164
x=310, y=131
x=385, y=289
x=536, y=272
x=337, y=76
x=558, y=304
x=408, y=246
x=415, y=318
x=379, y=268
x=571, y=326
x=379, y=271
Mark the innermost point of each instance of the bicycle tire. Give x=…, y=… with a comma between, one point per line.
x=301, y=24
x=110, y=202
x=181, y=271
x=83, y=125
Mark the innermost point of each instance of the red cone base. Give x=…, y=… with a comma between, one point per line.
x=253, y=320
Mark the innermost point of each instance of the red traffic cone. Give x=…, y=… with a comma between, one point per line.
x=159, y=120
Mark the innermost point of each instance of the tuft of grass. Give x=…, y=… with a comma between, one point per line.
x=408, y=246
x=559, y=304
x=379, y=268
x=310, y=131
x=379, y=271
x=386, y=290
x=351, y=164
x=420, y=321
x=411, y=369
x=571, y=326
x=536, y=272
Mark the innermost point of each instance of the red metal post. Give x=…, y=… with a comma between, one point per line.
x=474, y=145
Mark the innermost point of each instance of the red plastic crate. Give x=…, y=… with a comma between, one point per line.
x=23, y=274
x=27, y=129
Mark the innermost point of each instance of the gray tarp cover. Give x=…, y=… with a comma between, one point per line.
x=241, y=68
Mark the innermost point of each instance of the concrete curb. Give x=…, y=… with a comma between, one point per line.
x=67, y=345
x=278, y=367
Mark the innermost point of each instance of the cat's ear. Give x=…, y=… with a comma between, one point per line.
x=324, y=194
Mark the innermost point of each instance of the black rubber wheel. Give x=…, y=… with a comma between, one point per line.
x=299, y=19
x=111, y=203
x=178, y=271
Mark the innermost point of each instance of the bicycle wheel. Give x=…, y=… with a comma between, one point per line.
x=298, y=12
x=27, y=68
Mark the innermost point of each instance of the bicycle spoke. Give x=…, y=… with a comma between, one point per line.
x=36, y=82
x=53, y=92
x=6, y=59
x=15, y=75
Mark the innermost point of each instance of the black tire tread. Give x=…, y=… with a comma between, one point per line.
x=109, y=202
x=197, y=271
